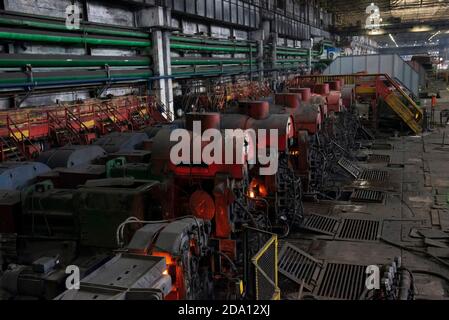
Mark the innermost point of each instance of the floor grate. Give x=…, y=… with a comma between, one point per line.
x=379, y=158
x=374, y=175
x=342, y=282
x=364, y=195
x=298, y=266
x=368, y=132
x=359, y=230
x=351, y=168
x=381, y=146
x=320, y=224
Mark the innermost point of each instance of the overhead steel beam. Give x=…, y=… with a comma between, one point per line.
x=405, y=27
x=412, y=50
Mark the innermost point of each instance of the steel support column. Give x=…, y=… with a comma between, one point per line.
x=259, y=37
x=158, y=20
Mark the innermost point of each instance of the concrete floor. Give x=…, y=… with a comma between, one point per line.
x=416, y=198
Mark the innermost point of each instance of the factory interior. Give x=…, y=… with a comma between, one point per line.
x=224, y=150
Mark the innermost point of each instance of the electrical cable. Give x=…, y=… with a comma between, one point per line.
x=431, y=273
x=224, y=255
x=130, y=220
x=441, y=261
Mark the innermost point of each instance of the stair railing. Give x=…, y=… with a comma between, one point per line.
x=21, y=144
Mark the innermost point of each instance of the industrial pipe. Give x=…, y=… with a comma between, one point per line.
x=286, y=51
x=55, y=61
x=12, y=34
x=23, y=80
x=62, y=27
x=23, y=22
x=209, y=61
x=241, y=43
x=45, y=79
x=283, y=51
x=188, y=47
x=56, y=38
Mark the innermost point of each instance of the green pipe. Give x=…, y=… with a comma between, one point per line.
x=62, y=27
x=284, y=51
x=42, y=61
x=291, y=61
x=71, y=39
x=188, y=47
x=114, y=32
x=23, y=80
x=240, y=43
x=37, y=79
x=118, y=42
x=292, y=54
x=181, y=62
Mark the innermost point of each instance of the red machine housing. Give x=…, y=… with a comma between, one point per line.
x=333, y=97
x=207, y=189
x=307, y=115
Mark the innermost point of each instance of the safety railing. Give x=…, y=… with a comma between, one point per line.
x=21, y=141
x=261, y=267
x=23, y=128
x=74, y=124
x=383, y=86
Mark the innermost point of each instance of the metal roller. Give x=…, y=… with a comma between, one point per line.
x=209, y=120
x=334, y=101
x=335, y=85
x=256, y=109
x=322, y=103
x=322, y=89
x=308, y=118
x=289, y=100
x=306, y=93
x=348, y=95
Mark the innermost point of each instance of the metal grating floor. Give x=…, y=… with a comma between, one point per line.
x=365, y=195
x=298, y=266
x=381, y=146
x=359, y=230
x=379, y=158
x=321, y=224
x=342, y=282
x=374, y=175
x=351, y=168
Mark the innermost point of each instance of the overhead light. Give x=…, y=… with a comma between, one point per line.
x=376, y=32
x=392, y=39
x=434, y=35
x=421, y=29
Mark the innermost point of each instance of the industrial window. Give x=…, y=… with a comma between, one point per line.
x=280, y=4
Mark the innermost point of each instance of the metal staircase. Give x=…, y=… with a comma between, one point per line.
x=112, y=119
x=62, y=132
x=159, y=113
x=9, y=152
x=74, y=123
x=401, y=103
x=23, y=147
x=288, y=195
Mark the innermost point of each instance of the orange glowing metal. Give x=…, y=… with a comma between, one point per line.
x=168, y=257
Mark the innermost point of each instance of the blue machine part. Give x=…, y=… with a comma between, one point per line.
x=332, y=53
x=71, y=156
x=18, y=175
x=122, y=141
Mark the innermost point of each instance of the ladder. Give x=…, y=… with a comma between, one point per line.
x=24, y=146
x=398, y=101
x=9, y=152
